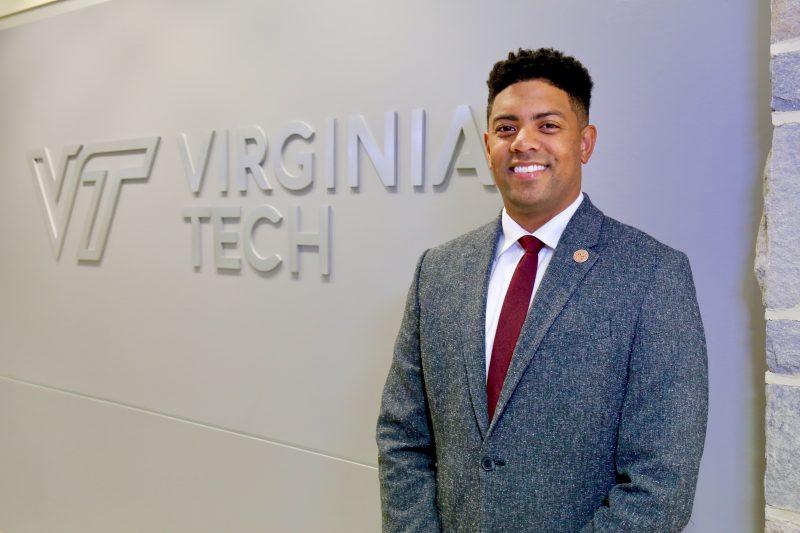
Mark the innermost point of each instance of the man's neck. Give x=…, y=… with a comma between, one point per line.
x=532, y=222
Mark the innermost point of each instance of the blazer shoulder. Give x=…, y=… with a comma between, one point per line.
x=635, y=254
x=619, y=243
x=631, y=241
x=481, y=239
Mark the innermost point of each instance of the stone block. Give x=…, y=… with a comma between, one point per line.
x=786, y=82
x=781, y=279
x=785, y=20
x=778, y=526
x=761, y=263
x=782, y=479
x=783, y=346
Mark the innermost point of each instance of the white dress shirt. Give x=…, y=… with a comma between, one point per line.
x=508, y=254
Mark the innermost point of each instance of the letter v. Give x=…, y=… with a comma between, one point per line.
x=195, y=175
x=57, y=190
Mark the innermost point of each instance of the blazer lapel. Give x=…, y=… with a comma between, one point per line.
x=563, y=276
x=477, y=265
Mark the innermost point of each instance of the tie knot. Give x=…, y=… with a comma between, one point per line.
x=531, y=244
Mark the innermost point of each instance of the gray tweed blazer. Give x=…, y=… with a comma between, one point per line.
x=601, y=421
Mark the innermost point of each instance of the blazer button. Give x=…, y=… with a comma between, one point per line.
x=487, y=463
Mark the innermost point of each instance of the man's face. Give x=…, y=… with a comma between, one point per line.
x=536, y=145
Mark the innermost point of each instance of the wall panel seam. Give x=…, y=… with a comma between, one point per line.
x=205, y=425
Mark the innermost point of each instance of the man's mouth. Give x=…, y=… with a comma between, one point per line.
x=529, y=169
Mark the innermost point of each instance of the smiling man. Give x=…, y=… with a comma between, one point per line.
x=550, y=370
x=536, y=144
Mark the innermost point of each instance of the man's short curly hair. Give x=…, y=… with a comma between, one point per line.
x=560, y=70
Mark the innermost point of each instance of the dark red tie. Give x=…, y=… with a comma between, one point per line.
x=512, y=316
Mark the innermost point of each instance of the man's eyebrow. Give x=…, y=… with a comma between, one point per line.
x=504, y=117
x=544, y=114
x=537, y=116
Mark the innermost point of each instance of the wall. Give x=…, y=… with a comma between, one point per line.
x=140, y=392
x=776, y=266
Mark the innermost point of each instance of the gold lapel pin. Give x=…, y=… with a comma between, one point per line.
x=580, y=256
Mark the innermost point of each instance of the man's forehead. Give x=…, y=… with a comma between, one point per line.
x=539, y=96
x=532, y=93
x=533, y=87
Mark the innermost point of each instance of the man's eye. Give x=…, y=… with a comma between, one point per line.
x=550, y=126
x=504, y=129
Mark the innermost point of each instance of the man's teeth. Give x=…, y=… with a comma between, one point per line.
x=529, y=168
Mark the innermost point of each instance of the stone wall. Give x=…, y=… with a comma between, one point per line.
x=778, y=271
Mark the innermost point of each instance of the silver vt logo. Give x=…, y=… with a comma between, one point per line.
x=58, y=186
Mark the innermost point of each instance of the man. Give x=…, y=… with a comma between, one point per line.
x=550, y=370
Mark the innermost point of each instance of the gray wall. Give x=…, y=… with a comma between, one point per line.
x=140, y=393
x=777, y=272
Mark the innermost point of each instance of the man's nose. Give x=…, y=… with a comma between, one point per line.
x=527, y=139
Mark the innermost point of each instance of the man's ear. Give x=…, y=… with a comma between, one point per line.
x=486, y=148
x=588, y=139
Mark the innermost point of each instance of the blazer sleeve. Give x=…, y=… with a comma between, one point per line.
x=663, y=419
x=406, y=453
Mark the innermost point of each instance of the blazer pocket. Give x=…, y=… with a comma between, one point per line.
x=595, y=333
x=582, y=361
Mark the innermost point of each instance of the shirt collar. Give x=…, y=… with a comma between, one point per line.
x=549, y=233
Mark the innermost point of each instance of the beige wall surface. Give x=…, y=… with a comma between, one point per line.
x=139, y=392
x=12, y=7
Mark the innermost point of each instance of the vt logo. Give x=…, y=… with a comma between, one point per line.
x=105, y=166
